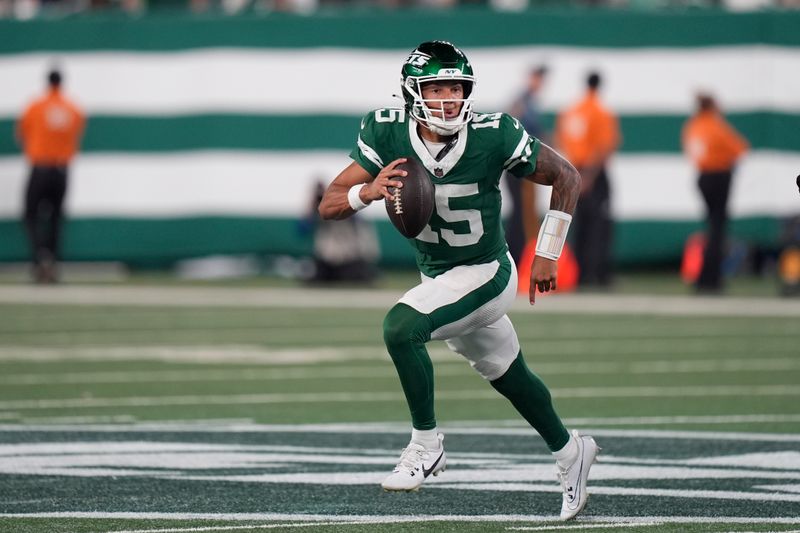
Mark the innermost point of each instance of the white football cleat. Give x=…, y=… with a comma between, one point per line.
x=416, y=464
x=573, y=479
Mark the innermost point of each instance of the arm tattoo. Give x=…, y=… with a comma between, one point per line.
x=554, y=170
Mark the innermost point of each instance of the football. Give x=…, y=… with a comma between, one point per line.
x=412, y=206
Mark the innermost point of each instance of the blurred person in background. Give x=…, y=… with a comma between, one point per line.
x=343, y=251
x=523, y=223
x=588, y=134
x=49, y=131
x=527, y=107
x=714, y=147
x=468, y=280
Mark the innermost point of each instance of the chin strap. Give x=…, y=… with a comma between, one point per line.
x=443, y=131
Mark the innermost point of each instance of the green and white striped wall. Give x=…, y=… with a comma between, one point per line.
x=206, y=135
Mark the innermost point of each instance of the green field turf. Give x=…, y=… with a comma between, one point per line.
x=204, y=410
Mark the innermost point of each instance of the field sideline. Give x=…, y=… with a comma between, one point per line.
x=146, y=408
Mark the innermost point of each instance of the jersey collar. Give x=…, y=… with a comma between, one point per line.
x=438, y=168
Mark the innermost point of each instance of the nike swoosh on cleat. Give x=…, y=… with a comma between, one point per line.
x=427, y=471
x=578, y=484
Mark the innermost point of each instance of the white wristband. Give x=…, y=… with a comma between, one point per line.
x=553, y=234
x=354, y=199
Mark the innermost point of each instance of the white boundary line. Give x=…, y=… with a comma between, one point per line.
x=575, y=526
x=384, y=299
x=379, y=519
x=371, y=397
x=454, y=368
x=248, y=426
x=691, y=358
x=251, y=527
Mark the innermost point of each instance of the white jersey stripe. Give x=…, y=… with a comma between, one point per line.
x=523, y=159
x=521, y=152
x=370, y=153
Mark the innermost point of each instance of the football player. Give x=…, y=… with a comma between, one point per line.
x=469, y=280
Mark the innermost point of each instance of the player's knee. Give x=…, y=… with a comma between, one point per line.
x=403, y=326
x=492, y=367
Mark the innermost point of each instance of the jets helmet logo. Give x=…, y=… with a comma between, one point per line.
x=418, y=59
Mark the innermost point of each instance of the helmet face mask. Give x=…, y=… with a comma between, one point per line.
x=437, y=61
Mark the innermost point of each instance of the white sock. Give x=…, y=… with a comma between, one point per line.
x=429, y=438
x=568, y=454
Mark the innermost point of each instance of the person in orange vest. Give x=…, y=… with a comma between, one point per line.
x=714, y=147
x=49, y=131
x=588, y=134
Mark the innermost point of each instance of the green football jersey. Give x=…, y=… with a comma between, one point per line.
x=465, y=228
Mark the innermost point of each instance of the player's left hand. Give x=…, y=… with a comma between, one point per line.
x=543, y=276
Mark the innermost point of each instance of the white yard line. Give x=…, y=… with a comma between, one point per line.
x=632, y=492
x=253, y=527
x=349, y=372
x=690, y=358
x=767, y=531
x=674, y=420
x=383, y=299
x=195, y=376
x=582, y=526
x=382, y=519
x=369, y=397
x=196, y=354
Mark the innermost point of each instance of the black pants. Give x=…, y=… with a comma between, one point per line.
x=44, y=200
x=591, y=233
x=715, y=188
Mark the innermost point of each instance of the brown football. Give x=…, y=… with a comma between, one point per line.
x=412, y=206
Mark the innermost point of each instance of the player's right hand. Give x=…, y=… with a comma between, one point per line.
x=379, y=187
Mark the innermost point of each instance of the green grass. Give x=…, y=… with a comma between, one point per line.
x=578, y=351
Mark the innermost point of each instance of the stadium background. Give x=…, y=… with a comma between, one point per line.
x=206, y=134
x=153, y=403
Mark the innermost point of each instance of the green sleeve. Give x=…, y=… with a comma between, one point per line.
x=366, y=153
x=520, y=148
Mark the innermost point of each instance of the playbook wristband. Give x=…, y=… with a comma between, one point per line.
x=354, y=198
x=553, y=234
